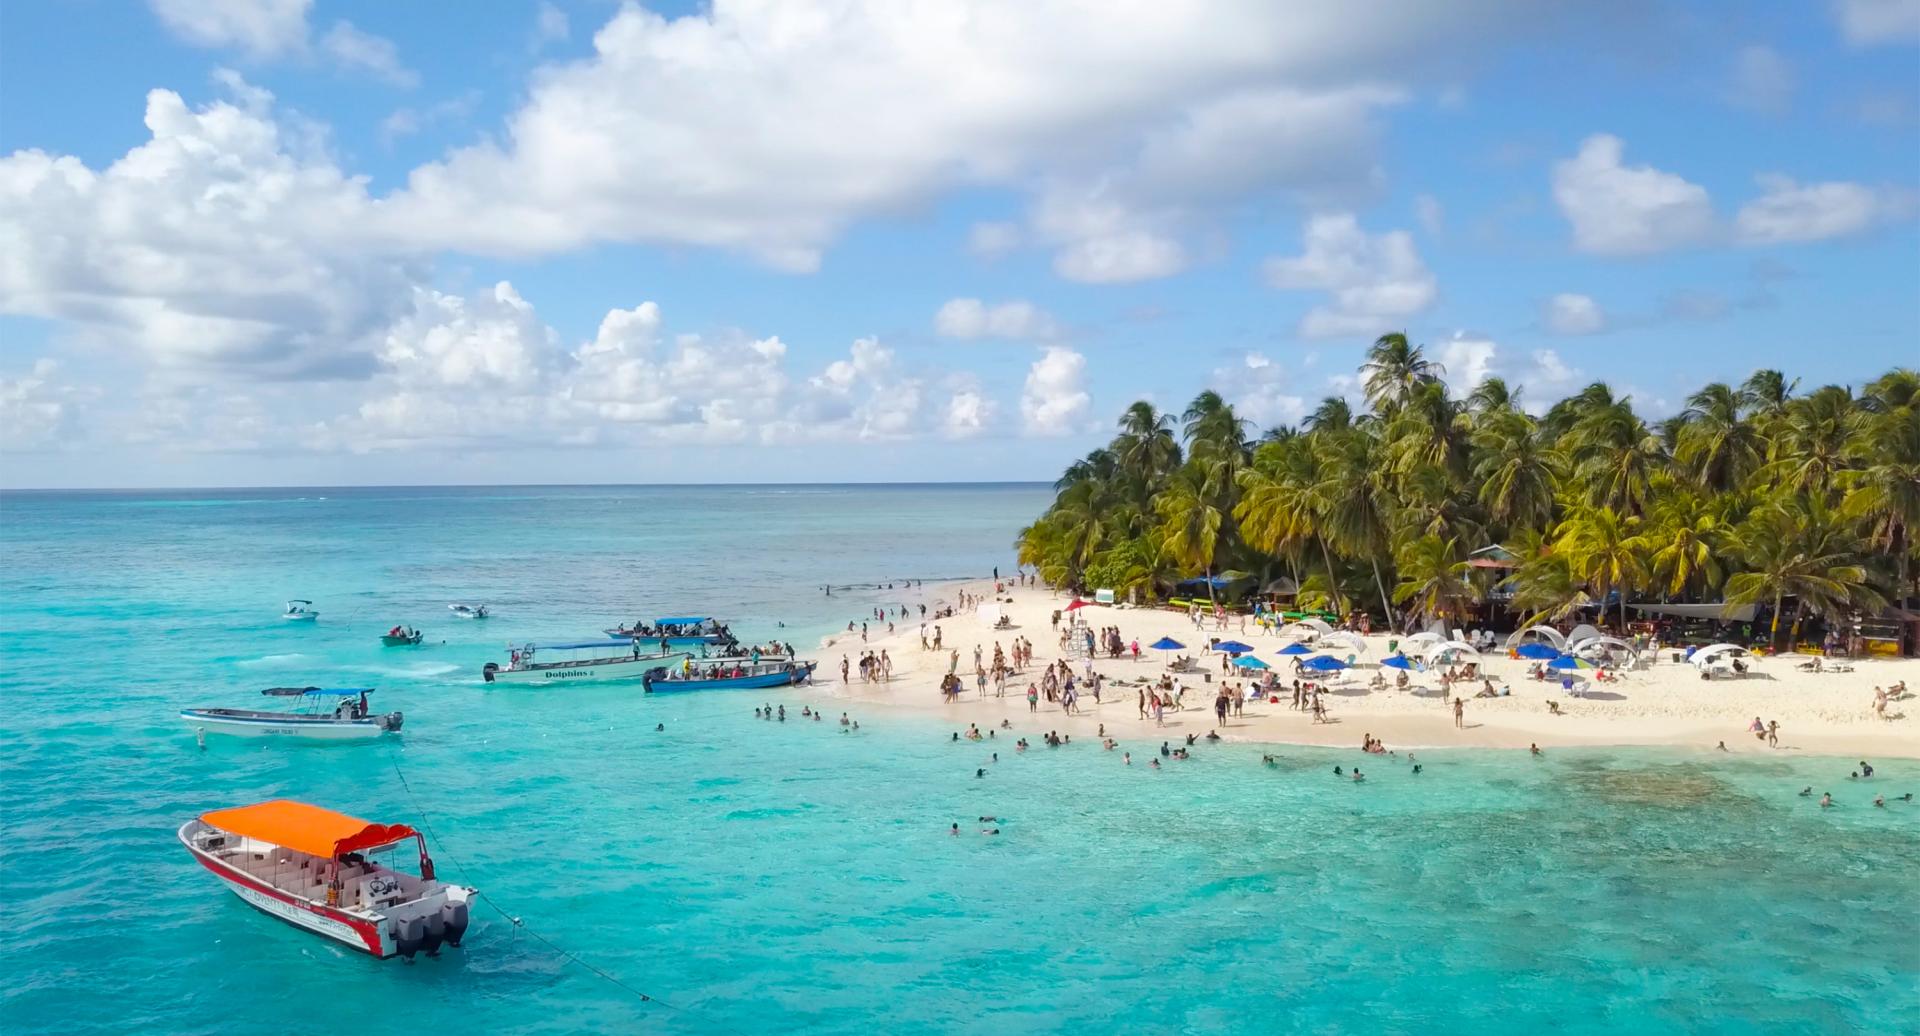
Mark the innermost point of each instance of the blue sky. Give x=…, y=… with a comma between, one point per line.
x=301, y=241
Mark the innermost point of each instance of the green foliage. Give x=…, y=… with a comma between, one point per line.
x=1806, y=501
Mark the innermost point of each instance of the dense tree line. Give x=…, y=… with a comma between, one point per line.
x=1802, y=502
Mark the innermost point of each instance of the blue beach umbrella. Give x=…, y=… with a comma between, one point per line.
x=1398, y=662
x=1569, y=662
x=1537, y=651
x=1295, y=649
x=1233, y=647
x=1166, y=644
x=1250, y=662
x=1323, y=664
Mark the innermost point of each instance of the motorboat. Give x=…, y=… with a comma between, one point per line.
x=300, y=611
x=324, y=713
x=729, y=673
x=401, y=636
x=593, y=661
x=682, y=631
x=332, y=874
x=468, y=611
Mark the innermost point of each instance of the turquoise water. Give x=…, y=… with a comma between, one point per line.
x=768, y=877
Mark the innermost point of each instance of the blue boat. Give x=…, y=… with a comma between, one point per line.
x=676, y=631
x=720, y=674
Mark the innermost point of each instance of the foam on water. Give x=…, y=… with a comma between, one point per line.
x=777, y=877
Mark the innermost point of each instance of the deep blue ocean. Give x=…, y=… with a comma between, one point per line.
x=761, y=877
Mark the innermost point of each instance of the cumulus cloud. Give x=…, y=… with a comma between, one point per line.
x=972, y=318
x=1761, y=80
x=219, y=243
x=1869, y=22
x=1261, y=390
x=969, y=413
x=37, y=412
x=1055, y=401
x=767, y=128
x=1618, y=209
x=262, y=28
x=550, y=25
x=1789, y=211
x=1472, y=358
x=1374, y=281
x=1572, y=314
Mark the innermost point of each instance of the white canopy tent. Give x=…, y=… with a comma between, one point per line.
x=1306, y=629
x=1581, y=632
x=989, y=613
x=1343, y=639
x=1546, y=633
x=1415, y=644
x=1603, y=647
x=1449, y=650
x=1706, y=655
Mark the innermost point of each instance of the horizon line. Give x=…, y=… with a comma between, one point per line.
x=509, y=485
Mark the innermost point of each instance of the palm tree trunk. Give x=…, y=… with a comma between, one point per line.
x=1333, y=580
x=1793, y=628
x=1386, y=603
x=1773, y=635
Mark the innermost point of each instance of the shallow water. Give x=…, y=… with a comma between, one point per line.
x=763, y=876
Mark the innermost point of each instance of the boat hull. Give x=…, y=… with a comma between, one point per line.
x=733, y=683
x=600, y=671
x=360, y=933
x=302, y=617
x=323, y=729
x=388, y=641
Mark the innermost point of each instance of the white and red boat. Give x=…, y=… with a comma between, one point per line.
x=317, y=869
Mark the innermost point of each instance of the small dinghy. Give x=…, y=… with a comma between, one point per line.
x=401, y=636
x=468, y=611
x=324, y=713
x=333, y=875
x=731, y=673
x=300, y=611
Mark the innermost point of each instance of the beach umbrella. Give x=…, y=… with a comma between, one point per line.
x=1166, y=644
x=1323, y=664
x=1076, y=605
x=1398, y=662
x=1250, y=662
x=1295, y=649
x=1537, y=651
x=1570, y=662
x=1233, y=647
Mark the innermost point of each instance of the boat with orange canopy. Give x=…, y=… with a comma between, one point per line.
x=332, y=874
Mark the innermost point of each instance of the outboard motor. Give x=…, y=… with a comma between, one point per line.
x=391, y=721
x=455, y=914
x=436, y=933
x=410, y=936
x=487, y=671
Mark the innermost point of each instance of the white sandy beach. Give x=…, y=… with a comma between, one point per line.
x=1668, y=704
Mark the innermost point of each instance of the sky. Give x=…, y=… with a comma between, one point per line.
x=309, y=242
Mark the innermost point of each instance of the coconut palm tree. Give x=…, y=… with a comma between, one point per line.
x=1683, y=537
x=1798, y=547
x=1393, y=368
x=1433, y=578
x=1515, y=469
x=1604, y=548
x=1716, y=446
x=1883, y=492
x=1813, y=438
x=1190, y=521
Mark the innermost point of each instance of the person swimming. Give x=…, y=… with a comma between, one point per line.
x=1880, y=800
x=1826, y=799
x=1806, y=791
x=1213, y=735
x=981, y=772
x=989, y=820
x=1358, y=776
x=1155, y=763
x=657, y=727
x=1865, y=770
x=1338, y=772
x=1416, y=767
x=1533, y=749
x=956, y=831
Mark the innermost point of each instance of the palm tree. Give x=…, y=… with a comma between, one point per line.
x=1278, y=510
x=1797, y=547
x=1614, y=451
x=1394, y=366
x=1333, y=414
x=1433, y=578
x=1884, y=490
x=1514, y=469
x=1765, y=392
x=1189, y=522
x=1684, y=537
x=1716, y=446
x=1347, y=500
x=1812, y=442
x=1603, y=547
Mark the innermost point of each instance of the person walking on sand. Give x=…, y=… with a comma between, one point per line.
x=953, y=661
x=1143, y=703
x=843, y=669
x=1773, y=733
x=1033, y=698
x=1459, y=712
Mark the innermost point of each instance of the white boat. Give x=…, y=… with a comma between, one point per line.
x=595, y=661
x=327, y=714
x=300, y=611
x=468, y=611
x=317, y=870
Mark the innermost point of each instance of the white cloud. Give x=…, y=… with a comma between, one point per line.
x=1432, y=216
x=1572, y=314
x=404, y=122
x=263, y=28
x=1867, y=22
x=490, y=342
x=768, y=128
x=37, y=412
x=972, y=318
x=1468, y=358
x=220, y=242
x=1375, y=281
x=969, y=413
x=1261, y=390
x=1761, y=80
x=1541, y=377
x=364, y=52
x=1055, y=401
x=1626, y=210
x=1790, y=211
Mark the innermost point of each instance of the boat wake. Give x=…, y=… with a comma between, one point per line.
x=420, y=671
